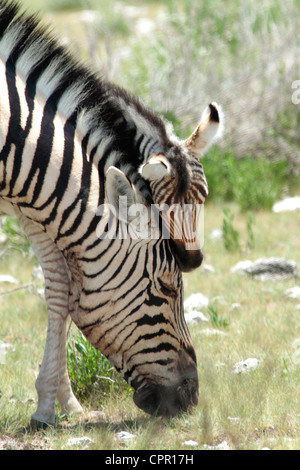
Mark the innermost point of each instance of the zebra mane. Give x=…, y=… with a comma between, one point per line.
x=34, y=55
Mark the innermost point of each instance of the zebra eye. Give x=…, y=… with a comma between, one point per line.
x=167, y=290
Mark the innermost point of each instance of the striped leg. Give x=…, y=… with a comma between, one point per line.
x=53, y=380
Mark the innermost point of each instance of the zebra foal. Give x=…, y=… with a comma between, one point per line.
x=71, y=143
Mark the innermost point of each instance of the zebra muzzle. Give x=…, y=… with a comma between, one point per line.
x=168, y=400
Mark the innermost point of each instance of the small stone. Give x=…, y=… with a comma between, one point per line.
x=195, y=302
x=7, y=278
x=190, y=443
x=194, y=317
x=212, y=332
x=82, y=442
x=241, y=266
x=293, y=292
x=222, y=446
x=246, y=366
x=208, y=268
x=216, y=234
x=235, y=306
x=124, y=436
x=234, y=420
x=3, y=238
x=288, y=204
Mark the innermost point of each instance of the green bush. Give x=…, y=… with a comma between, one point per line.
x=89, y=370
x=253, y=183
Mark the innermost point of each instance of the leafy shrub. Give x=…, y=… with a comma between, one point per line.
x=252, y=183
x=89, y=370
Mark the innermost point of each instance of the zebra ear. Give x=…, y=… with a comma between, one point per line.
x=118, y=185
x=208, y=130
x=157, y=167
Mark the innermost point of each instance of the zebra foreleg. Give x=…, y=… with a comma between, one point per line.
x=53, y=379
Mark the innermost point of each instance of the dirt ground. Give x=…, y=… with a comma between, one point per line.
x=24, y=443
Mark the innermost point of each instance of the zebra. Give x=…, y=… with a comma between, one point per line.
x=70, y=143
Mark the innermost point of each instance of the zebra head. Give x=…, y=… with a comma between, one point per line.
x=177, y=181
x=150, y=344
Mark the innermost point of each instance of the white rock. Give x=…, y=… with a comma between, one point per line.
x=234, y=420
x=4, y=347
x=145, y=26
x=246, y=366
x=88, y=16
x=267, y=269
x=191, y=443
x=8, y=278
x=222, y=446
x=79, y=442
x=208, y=268
x=235, y=306
x=241, y=266
x=293, y=292
x=124, y=436
x=216, y=234
x=195, y=302
x=3, y=238
x=287, y=204
x=194, y=317
x=212, y=332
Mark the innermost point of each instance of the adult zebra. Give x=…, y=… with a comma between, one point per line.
x=69, y=141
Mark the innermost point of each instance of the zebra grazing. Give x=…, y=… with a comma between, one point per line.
x=76, y=154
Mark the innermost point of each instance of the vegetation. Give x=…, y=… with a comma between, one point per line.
x=245, y=56
x=252, y=184
x=90, y=372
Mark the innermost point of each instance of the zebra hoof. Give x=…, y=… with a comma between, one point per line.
x=36, y=425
